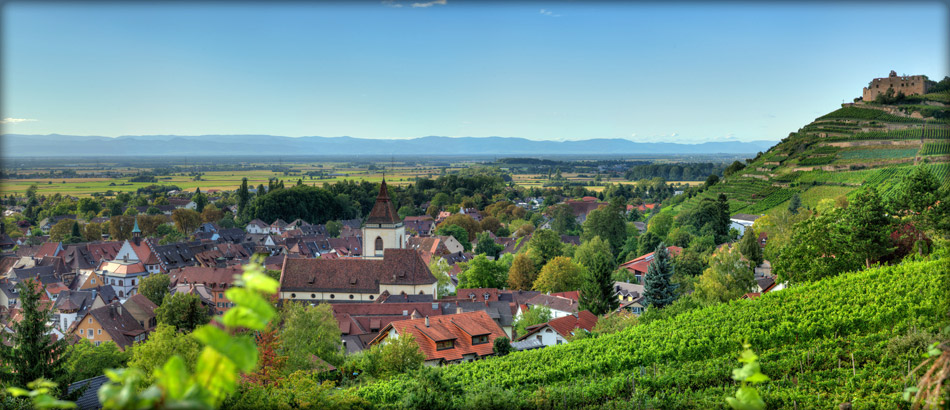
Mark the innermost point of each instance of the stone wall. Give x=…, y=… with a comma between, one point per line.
x=909, y=85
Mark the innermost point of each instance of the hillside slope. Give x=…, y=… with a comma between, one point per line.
x=849, y=338
x=856, y=145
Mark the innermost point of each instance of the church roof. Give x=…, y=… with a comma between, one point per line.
x=383, y=212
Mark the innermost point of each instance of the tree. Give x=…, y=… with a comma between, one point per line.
x=93, y=232
x=535, y=315
x=88, y=205
x=200, y=200
x=152, y=210
x=456, y=232
x=76, y=232
x=333, y=228
x=647, y=243
x=597, y=289
x=155, y=287
x=661, y=224
x=608, y=223
x=736, y=166
x=794, y=204
x=868, y=227
x=163, y=343
x=658, y=289
x=561, y=274
x=487, y=246
x=466, y=222
x=544, y=245
x=502, y=346
x=727, y=277
x=211, y=214
x=818, y=248
x=713, y=179
x=484, y=273
x=749, y=247
x=120, y=227
x=490, y=224
x=309, y=331
x=186, y=220
x=149, y=224
x=183, y=311
x=562, y=219
x=440, y=269
x=522, y=274
x=244, y=196
x=85, y=360
x=398, y=355
x=30, y=353
x=270, y=362
x=61, y=230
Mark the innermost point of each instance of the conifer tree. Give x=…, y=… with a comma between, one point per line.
x=749, y=247
x=659, y=290
x=200, y=200
x=244, y=196
x=597, y=289
x=32, y=353
x=794, y=204
x=76, y=233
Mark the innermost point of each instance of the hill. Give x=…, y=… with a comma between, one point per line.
x=849, y=338
x=862, y=144
x=20, y=145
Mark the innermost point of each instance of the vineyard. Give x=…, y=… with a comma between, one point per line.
x=878, y=153
x=842, y=339
x=936, y=148
x=903, y=134
x=868, y=115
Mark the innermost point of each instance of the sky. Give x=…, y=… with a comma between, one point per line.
x=648, y=72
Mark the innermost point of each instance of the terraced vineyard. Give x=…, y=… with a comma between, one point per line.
x=870, y=148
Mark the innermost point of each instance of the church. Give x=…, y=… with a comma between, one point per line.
x=386, y=266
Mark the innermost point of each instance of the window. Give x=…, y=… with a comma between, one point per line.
x=220, y=295
x=99, y=331
x=351, y=296
x=90, y=320
x=477, y=340
x=89, y=333
x=313, y=296
x=120, y=282
x=448, y=344
x=133, y=282
x=371, y=297
x=538, y=337
x=559, y=341
x=80, y=331
x=98, y=342
x=548, y=330
x=293, y=296
x=332, y=296
x=93, y=282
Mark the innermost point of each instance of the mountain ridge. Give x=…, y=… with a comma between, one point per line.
x=52, y=145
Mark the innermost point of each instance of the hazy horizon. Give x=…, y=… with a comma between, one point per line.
x=545, y=71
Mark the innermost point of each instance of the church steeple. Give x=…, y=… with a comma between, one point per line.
x=383, y=228
x=384, y=212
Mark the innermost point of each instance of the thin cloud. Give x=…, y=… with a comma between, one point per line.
x=430, y=3
x=391, y=3
x=549, y=13
x=15, y=120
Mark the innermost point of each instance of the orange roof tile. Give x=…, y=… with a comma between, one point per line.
x=459, y=328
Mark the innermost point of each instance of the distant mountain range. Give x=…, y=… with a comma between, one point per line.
x=55, y=145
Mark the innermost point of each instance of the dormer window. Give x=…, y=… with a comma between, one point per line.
x=448, y=344
x=477, y=340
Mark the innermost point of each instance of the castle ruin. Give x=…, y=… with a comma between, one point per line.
x=909, y=85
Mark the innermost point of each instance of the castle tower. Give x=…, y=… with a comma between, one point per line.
x=383, y=229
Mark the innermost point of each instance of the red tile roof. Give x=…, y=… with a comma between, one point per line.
x=214, y=278
x=641, y=263
x=458, y=328
x=566, y=325
x=383, y=211
x=574, y=294
x=47, y=249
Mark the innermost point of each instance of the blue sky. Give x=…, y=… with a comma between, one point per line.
x=541, y=70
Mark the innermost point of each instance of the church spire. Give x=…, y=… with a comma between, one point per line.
x=383, y=211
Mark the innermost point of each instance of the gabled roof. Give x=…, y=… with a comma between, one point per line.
x=745, y=217
x=554, y=303
x=212, y=277
x=48, y=248
x=141, y=308
x=383, y=211
x=119, y=323
x=566, y=325
x=458, y=328
x=398, y=267
x=641, y=263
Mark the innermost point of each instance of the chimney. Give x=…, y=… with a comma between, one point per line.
x=427, y=320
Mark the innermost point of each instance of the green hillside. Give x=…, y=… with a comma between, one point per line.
x=805, y=337
x=856, y=145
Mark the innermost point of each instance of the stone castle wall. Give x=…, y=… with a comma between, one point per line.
x=909, y=85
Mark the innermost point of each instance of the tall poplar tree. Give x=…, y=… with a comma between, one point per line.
x=659, y=289
x=597, y=289
x=32, y=353
x=244, y=196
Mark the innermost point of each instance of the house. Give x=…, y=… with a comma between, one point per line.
x=110, y=323
x=257, y=226
x=420, y=225
x=89, y=400
x=559, y=306
x=742, y=221
x=360, y=323
x=47, y=223
x=581, y=208
x=562, y=329
x=74, y=304
x=143, y=310
x=123, y=275
x=638, y=266
x=455, y=338
x=434, y=246
x=216, y=280
x=631, y=297
x=355, y=280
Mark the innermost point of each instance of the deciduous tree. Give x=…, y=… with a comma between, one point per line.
x=749, y=247
x=484, y=273
x=309, y=331
x=522, y=274
x=155, y=287
x=183, y=311
x=186, y=220
x=537, y=314
x=561, y=274
x=727, y=277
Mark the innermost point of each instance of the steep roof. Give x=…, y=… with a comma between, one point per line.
x=213, y=277
x=565, y=326
x=398, y=267
x=383, y=211
x=119, y=323
x=555, y=303
x=458, y=328
x=640, y=264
